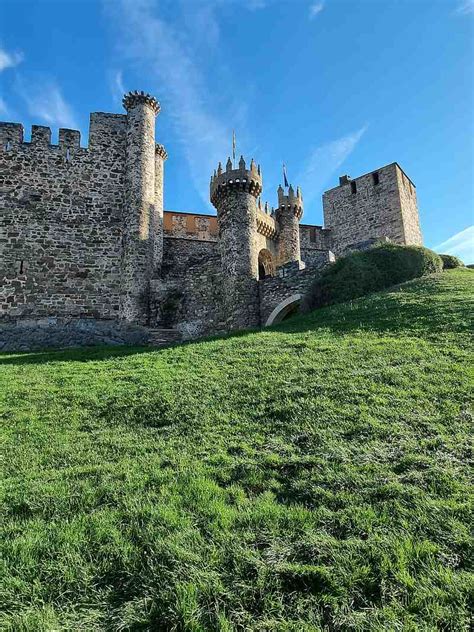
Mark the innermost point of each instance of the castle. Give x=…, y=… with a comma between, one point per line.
x=88, y=254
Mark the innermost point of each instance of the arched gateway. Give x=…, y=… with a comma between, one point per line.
x=284, y=309
x=266, y=266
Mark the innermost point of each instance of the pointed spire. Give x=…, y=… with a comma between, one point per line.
x=252, y=165
x=242, y=163
x=258, y=170
x=219, y=169
x=291, y=191
x=298, y=193
x=266, y=208
x=228, y=166
x=281, y=196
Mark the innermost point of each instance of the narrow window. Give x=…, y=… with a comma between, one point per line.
x=68, y=155
x=375, y=177
x=21, y=267
x=312, y=234
x=8, y=146
x=353, y=187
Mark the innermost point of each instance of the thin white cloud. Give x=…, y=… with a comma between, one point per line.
x=155, y=45
x=46, y=103
x=324, y=161
x=3, y=107
x=465, y=7
x=461, y=245
x=117, y=86
x=119, y=82
x=315, y=9
x=9, y=60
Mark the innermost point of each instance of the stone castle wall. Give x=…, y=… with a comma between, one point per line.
x=61, y=221
x=315, y=242
x=52, y=332
x=409, y=209
x=371, y=207
x=190, y=226
x=201, y=308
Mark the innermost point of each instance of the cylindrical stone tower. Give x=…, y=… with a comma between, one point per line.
x=234, y=194
x=140, y=196
x=156, y=221
x=288, y=216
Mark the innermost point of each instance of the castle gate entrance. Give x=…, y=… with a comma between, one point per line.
x=266, y=266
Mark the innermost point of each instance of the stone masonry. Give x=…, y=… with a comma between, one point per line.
x=378, y=205
x=89, y=256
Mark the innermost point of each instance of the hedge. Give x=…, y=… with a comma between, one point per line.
x=450, y=261
x=360, y=273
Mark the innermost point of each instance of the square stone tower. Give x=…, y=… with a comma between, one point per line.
x=381, y=204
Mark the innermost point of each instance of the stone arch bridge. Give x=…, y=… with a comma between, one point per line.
x=280, y=295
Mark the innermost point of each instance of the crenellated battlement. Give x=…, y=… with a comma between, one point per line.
x=161, y=151
x=12, y=139
x=12, y=134
x=266, y=224
x=291, y=201
x=40, y=135
x=241, y=179
x=132, y=99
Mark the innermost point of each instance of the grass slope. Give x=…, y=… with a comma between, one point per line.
x=309, y=477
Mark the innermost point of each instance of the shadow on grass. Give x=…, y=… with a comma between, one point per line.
x=99, y=352
x=426, y=307
x=75, y=354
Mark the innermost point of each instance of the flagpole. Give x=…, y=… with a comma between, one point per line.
x=233, y=149
x=285, y=177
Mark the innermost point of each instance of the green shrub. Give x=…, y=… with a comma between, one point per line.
x=360, y=273
x=450, y=261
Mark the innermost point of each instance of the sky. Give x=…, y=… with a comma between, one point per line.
x=328, y=87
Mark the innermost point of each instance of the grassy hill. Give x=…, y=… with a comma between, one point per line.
x=313, y=476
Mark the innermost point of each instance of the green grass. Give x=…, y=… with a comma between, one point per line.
x=313, y=476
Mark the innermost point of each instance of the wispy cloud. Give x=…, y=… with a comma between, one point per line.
x=3, y=107
x=153, y=44
x=465, y=7
x=315, y=9
x=46, y=103
x=117, y=86
x=324, y=161
x=461, y=245
x=9, y=60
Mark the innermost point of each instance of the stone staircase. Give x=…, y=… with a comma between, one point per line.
x=160, y=337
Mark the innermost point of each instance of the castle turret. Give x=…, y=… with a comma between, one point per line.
x=288, y=216
x=234, y=194
x=140, y=197
x=156, y=223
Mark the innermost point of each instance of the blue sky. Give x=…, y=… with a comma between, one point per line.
x=326, y=86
